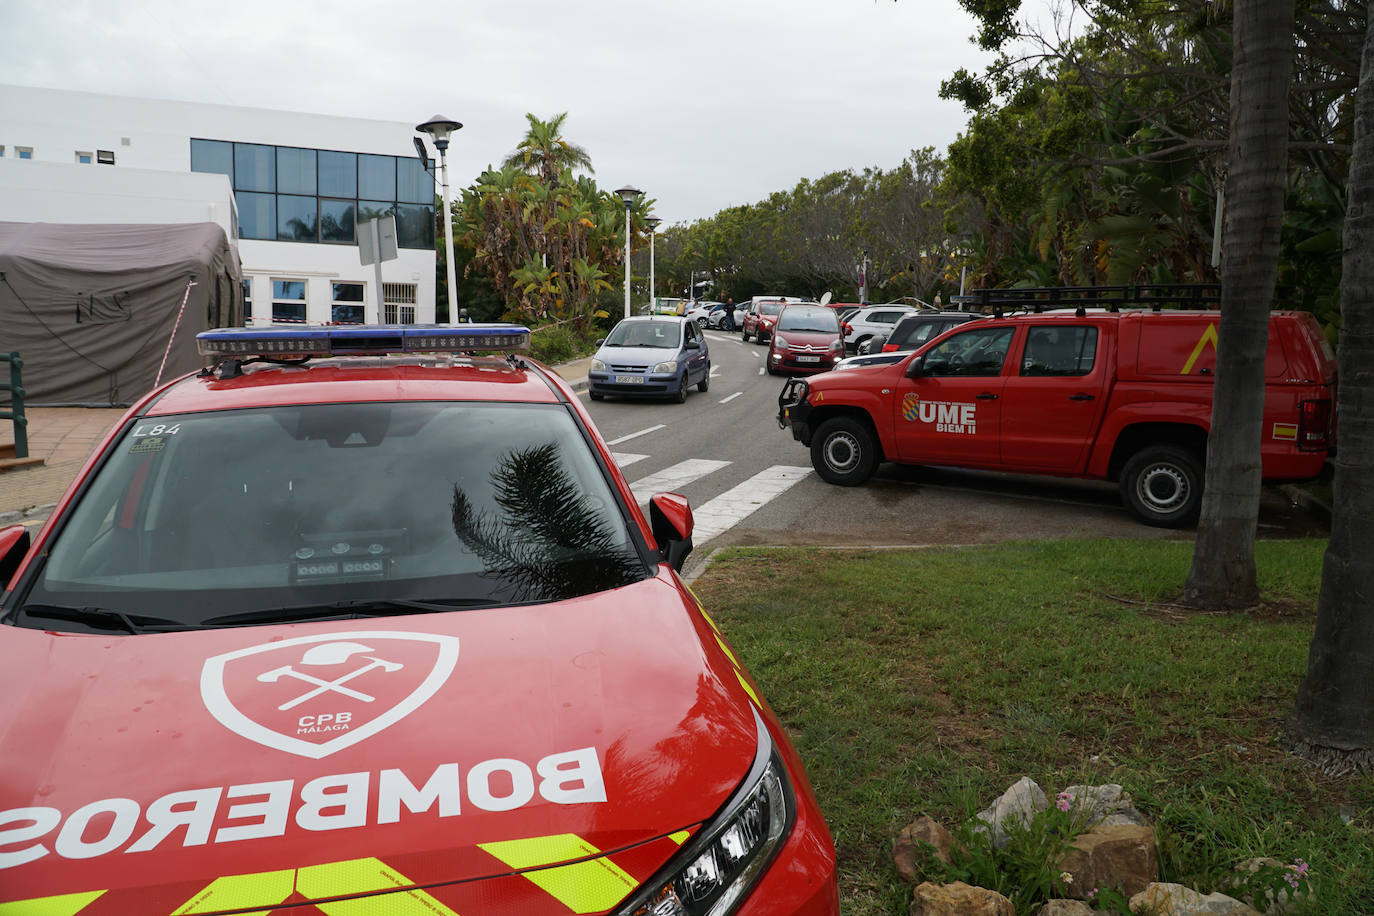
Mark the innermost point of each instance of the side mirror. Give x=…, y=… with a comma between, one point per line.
x=917, y=368
x=14, y=546
x=600, y=341
x=670, y=518
x=693, y=344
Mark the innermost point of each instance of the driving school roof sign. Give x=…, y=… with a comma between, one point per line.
x=315, y=695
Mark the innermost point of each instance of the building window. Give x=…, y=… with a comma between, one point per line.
x=84, y=158
x=287, y=193
x=104, y=156
x=213, y=156
x=248, y=301
x=347, y=307
x=254, y=168
x=398, y=303
x=257, y=215
x=24, y=152
x=288, y=301
x=377, y=177
x=337, y=221
x=296, y=219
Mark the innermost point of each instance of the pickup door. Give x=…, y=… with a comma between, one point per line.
x=950, y=411
x=1053, y=400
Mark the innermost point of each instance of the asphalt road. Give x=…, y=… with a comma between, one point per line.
x=723, y=447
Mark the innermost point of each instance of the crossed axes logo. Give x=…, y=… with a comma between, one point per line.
x=392, y=675
x=329, y=654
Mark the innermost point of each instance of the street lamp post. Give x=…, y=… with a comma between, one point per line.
x=627, y=194
x=652, y=222
x=438, y=128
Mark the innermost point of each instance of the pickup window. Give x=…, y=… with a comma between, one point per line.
x=977, y=352
x=1061, y=351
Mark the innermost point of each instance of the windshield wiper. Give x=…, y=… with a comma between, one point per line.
x=374, y=607
x=101, y=618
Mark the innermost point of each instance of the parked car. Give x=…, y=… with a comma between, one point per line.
x=763, y=314
x=716, y=319
x=868, y=359
x=913, y=330
x=806, y=338
x=701, y=310
x=651, y=356
x=389, y=635
x=859, y=326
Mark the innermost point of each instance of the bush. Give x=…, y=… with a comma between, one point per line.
x=554, y=344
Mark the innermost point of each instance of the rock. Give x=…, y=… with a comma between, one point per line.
x=907, y=849
x=1104, y=806
x=958, y=899
x=1020, y=803
x=1065, y=908
x=1122, y=857
x=1177, y=900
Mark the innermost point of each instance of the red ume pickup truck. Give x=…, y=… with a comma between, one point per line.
x=1093, y=393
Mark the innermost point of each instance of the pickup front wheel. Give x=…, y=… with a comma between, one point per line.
x=844, y=452
x=1162, y=485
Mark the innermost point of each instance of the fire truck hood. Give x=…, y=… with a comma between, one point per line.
x=258, y=767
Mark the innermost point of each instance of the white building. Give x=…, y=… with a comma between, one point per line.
x=289, y=188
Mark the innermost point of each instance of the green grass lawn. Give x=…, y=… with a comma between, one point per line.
x=927, y=682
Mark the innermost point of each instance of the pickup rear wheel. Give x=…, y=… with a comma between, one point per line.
x=1162, y=485
x=844, y=452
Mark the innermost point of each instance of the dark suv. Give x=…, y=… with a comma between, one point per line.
x=913, y=330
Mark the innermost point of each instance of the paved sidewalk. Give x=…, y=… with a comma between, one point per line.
x=63, y=437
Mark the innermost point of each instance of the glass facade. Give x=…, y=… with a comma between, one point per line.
x=292, y=194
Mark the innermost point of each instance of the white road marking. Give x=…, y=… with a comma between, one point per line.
x=674, y=478
x=731, y=397
x=760, y=370
x=625, y=459
x=642, y=432
x=736, y=504
x=715, y=370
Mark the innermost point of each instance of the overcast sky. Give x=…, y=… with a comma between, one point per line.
x=702, y=104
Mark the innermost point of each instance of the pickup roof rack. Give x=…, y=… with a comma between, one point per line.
x=1112, y=298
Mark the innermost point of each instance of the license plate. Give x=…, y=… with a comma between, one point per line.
x=808, y=359
x=629, y=380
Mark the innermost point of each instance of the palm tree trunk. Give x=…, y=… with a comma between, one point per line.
x=1333, y=718
x=1223, y=571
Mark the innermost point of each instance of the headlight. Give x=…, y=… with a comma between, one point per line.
x=598, y=366
x=780, y=341
x=716, y=869
x=837, y=345
x=667, y=367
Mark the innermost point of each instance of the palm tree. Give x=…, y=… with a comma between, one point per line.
x=545, y=153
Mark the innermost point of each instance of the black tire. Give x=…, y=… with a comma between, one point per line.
x=861, y=344
x=771, y=370
x=844, y=451
x=595, y=395
x=705, y=382
x=681, y=395
x=1162, y=485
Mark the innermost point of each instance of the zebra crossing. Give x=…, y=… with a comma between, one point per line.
x=723, y=512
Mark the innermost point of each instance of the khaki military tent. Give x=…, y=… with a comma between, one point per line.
x=97, y=312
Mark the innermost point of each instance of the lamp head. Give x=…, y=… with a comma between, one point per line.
x=439, y=127
x=652, y=222
x=628, y=194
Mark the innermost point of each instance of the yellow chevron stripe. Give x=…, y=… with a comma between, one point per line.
x=333, y=879
x=233, y=891
x=1208, y=336
x=58, y=905
x=583, y=887
x=360, y=876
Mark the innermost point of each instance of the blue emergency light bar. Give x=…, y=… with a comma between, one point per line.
x=354, y=340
